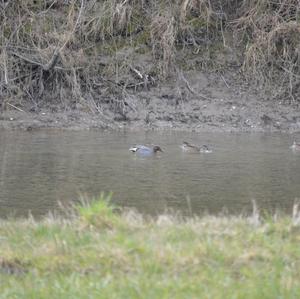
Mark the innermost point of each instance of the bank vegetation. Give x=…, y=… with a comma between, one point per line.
x=83, y=54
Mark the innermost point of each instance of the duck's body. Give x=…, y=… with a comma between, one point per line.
x=295, y=146
x=145, y=151
x=192, y=148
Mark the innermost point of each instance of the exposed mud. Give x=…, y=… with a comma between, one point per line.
x=195, y=101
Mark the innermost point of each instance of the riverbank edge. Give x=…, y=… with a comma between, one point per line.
x=100, y=251
x=79, y=121
x=183, y=65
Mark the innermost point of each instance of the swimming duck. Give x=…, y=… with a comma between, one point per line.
x=192, y=148
x=143, y=150
x=295, y=146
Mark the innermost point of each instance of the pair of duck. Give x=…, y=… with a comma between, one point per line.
x=186, y=147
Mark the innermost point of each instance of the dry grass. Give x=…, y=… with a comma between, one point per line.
x=271, y=30
x=199, y=21
x=65, y=53
x=163, y=33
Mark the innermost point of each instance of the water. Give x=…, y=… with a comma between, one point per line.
x=39, y=169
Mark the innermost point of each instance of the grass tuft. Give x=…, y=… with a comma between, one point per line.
x=99, y=212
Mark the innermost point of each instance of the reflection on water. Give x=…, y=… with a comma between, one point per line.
x=38, y=169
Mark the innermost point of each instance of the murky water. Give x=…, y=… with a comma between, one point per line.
x=38, y=169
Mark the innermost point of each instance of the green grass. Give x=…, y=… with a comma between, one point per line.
x=104, y=253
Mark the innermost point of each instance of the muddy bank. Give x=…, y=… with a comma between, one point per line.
x=150, y=65
x=194, y=101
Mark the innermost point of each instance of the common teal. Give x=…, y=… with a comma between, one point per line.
x=145, y=151
x=192, y=148
x=295, y=146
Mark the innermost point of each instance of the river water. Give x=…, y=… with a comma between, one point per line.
x=38, y=169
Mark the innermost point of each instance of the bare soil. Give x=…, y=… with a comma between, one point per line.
x=194, y=101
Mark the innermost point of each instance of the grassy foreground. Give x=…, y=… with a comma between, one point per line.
x=102, y=253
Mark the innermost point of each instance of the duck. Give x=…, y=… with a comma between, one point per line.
x=143, y=150
x=295, y=146
x=192, y=148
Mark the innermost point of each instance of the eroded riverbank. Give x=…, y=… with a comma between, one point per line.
x=198, y=102
x=183, y=65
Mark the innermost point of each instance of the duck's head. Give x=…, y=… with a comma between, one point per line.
x=157, y=148
x=133, y=149
x=205, y=149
